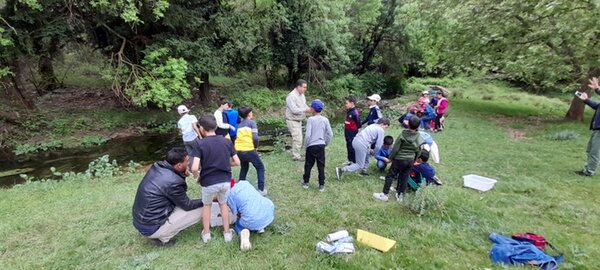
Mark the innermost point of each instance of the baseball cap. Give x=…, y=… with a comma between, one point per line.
x=317, y=105
x=182, y=109
x=413, y=109
x=425, y=92
x=375, y=97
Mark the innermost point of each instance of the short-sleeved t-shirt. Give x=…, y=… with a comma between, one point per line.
x=215, y=153
x=187, y=130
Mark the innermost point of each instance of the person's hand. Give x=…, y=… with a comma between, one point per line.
x=583, y=96
x=386, y=160
x=371, y=152
x=308, y=109
x=594, y=83
x=186, y=173
x=232, y=128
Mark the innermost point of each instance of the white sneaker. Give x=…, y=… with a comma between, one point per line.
x=228, y=235
x=263, y=192
x=205, y=237
x=346, y=163
x=245, y=240
x=338, y=172
x=261, y=231
x=392, y=189
x=380, y=196
x=399, y=197
x=382, y=177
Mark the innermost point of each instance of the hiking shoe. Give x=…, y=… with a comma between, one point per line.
x=380, y=196
x=228, y=235
x=583, y=173
x=338, y=172
x=159, y=243
x=205, y=237
x=399, y=197
x=305, y=185
x=263, y=192
x=321, y=188
x=382, y=178
x=245, y=240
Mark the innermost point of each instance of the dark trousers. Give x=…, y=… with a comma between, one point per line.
x=349, y=137
x=398, y=171
x=438, y=122
x=315, y=153
x=247, y=157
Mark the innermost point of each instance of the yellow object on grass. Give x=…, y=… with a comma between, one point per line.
x=375, y=241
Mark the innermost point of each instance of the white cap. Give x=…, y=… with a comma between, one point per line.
x=426, y=92
x=375, y=97
x=182, y=109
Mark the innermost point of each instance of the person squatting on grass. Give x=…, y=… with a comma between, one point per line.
x=188, y=128
x=215, y=158
x=161, y=208
x=246, y=146
x=373, y=134
x=318, y=135
x=383, y=155
x=351, y=126
x=405, y=152
x=421, y=169
x=294, y=115
x=254, y=211
x=593, y=147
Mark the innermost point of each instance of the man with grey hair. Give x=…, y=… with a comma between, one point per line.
x=295, y=113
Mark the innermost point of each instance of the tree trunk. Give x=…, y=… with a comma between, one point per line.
x=269, y=77
x=575, y=112
x=15, y=85
x=204, y=88
x=46, y=69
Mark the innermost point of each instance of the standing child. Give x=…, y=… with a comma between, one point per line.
x=351, y=126
x=374, y=111
x=246, y=145
x=223, y=125
x=188, y=128
x=318, y=135
x=233, y=120
x=405, y=152
x=216, y=156
x=371, y=135
x=383, y=155
x=440, y=109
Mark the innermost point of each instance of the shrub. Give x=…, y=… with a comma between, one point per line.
x=93, y=140
x=427, y=199
x=565, y=135
x=260, y=98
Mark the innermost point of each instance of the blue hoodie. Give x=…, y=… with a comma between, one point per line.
x=595, y=124
x=256, y=212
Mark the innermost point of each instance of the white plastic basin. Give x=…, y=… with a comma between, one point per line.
x=478, y=182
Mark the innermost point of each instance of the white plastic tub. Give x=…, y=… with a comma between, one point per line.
x=478, y=182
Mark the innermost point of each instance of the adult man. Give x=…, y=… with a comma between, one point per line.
x=162, y=208
x=593, y=147
x=294, y=115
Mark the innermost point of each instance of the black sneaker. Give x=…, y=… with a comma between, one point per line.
x=363, y=173
x=582, y=173
x=159, y=243
x=321, y=188
x=304, y=185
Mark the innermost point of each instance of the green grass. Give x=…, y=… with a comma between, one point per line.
x=87, y=224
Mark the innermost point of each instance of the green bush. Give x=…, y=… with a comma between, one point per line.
x=30, y=148
x=260, y=98
x=93, y=140
x=565, y=135
x=427, y=199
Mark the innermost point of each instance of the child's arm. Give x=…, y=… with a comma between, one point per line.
x=255, y=138
x=235, y=161
x=396, y=147
x=308, y=132
x=195, y=167
x=357, y=119
x=328, y=133
x=220, y=123
x=195, y=126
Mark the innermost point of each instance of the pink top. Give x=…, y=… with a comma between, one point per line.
x=442, y=106
x=423, y=101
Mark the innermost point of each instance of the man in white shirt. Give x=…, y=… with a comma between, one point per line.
x=295, y=113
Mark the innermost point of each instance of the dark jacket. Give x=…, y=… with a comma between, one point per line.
x=160, y=191
x=407, y=146
x=595, y=124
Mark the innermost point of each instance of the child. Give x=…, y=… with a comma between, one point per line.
x=215, y=158
x=422, y=170
x=382, y=156
x=233, y=120
x=374, y=111
x=412, y=111
x=318, y=135
x=188, y=128
x=254, y=211
x=430, y=146
x=223, y=125
x=440, y=109
x=351, y=126
x=424, y=99
x=246, y=145
x=405, y=152
x=427, y=114
x=373, y=134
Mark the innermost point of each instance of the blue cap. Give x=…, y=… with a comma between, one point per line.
x=317, y=105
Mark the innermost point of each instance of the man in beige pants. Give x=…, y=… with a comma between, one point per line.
x=294, y=115
x=161, y=208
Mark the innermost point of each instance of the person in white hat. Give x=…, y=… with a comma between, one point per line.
x=424, y=99
x=374, y=111
x=188, y=128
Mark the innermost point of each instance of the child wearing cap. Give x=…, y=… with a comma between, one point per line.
x=424, y=99
x=188, y=128
x=374, y=111
x=318, y=135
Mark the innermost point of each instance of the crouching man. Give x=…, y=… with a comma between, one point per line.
x=162, y=208
x=254, y=211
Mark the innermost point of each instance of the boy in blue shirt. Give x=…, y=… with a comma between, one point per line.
x=383, y=155
x=374, y=111
x=426, y=171
x=233, y=120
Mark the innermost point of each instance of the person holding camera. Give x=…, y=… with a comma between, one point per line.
x=593, y=147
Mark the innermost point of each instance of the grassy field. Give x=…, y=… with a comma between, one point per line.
x=505, y=135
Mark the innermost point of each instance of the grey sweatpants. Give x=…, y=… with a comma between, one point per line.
x=593, y=153
x=362, y=154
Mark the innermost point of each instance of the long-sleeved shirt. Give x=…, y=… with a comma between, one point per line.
x=373, y=116
x=442, y=106
x=371, y=134
x=295, y=108
x=352, y=122
x=247, y=136
x=256, y=212
x=318, y=131
x=383, y=153
x=407, y=145
x=222, y=125
x=232, y=120
x=426, y=171
x=595, y=123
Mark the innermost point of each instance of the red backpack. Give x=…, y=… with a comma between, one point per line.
x=537, y=240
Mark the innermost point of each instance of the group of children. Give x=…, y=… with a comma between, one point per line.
x=430, y=111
